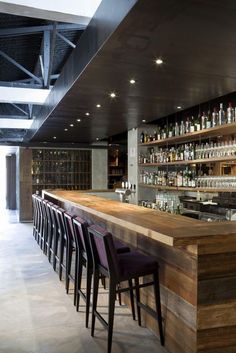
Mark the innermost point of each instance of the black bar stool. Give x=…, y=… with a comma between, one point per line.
x=119, y=268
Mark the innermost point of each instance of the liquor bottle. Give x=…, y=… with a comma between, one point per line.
x=208, y=121
x=142, y=137
x=170, y=131
x=198, y=123
x=182, y=128
x=192, y=124
x=155, y=136
x=221, y=115
x=215, y=117
x=176, y=129
x=203, y=121
x=187, y=125
x=180, y=179
x=145, y=137
x=230, y=114
x=158, y=133
x=164, y=132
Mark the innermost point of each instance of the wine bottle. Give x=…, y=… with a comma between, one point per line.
x=198, y=123
x=176, y=129
x=192, y=124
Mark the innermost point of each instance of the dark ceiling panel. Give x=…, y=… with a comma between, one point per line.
x=194, y=38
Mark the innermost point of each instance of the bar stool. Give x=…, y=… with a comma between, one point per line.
x=119, y=268
x=70, y=249
x=35, y=215
x=84, y=254
x=40, y=219
x=44, y=234
x=55, y=236
x=62, y=240
x=49, y=240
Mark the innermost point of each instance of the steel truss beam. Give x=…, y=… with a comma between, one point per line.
x=20, y=109
x=22, y=68
x=18, y=31
x=66, y=40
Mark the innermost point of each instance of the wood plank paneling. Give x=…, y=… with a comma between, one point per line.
x=218, y=315
x=217, y=265
x=216, y=338
x=217, y=290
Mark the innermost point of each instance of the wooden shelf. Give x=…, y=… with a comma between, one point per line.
x=183, y=188
x=227, y=129
x=195, y=161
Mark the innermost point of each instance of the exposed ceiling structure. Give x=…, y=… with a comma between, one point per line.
x=122, y=42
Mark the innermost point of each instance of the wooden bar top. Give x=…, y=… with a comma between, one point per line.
x=169, y=229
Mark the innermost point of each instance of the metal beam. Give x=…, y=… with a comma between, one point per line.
x=51, y=55
x=4, y=116
x=46, y=57
x=18, y=31
x=22, y=68
x=30, y=106
x=20, y=84
x=18, y=95
x=20, y=109
x=66, y=40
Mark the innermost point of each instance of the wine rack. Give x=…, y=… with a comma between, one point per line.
x=60, y=169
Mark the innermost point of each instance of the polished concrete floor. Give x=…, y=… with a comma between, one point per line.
x=36, y=314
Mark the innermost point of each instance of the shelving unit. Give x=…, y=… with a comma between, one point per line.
x=221, y=130
x=56, y=168
x=117, y=168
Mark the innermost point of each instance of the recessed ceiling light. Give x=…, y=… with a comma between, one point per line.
x=159, y=61
x=98, y=105
x=179, y=107
x=132, y=81
x=144, y=121
x=87, y=114
x=65, y=129
x=54, y=137
x=79, y=120
x=71, y=125
x=97, y=138
x=112, y=95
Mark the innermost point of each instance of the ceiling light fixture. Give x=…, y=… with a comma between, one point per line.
x=79, y=120
x=144, y=121
x=87, y=114
x=132, y=81
x=65, y=129
x=71, y=125
x=179, y=107
x=98, y=105
x=97, y=138
x=112, y=95
x=54, y=137
x=159, y=61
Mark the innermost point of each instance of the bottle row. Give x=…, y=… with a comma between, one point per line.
x=189, y=151
x=165, y=204
x=187, y=178
x=59, y=155
x=64, y=179
x=203, y=121
x=39, y=167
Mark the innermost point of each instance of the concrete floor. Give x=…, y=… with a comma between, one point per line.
x=36, y=314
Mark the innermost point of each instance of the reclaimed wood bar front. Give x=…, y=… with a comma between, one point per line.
x=197, y=268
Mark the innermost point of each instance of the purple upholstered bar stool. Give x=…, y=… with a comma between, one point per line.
x=84, y=259
x=119, y=268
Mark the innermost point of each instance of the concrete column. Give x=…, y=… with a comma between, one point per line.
x=99, y=169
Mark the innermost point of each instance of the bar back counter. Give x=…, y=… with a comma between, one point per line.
x=197, y=268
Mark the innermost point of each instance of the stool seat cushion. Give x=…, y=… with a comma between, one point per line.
x=135, y=264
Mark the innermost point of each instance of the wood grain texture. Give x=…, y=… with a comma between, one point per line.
x=168, y=229
x=198, y=280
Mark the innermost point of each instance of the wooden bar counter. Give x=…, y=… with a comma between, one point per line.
x=197, y=268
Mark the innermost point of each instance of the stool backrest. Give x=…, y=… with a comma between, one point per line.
x=68, y=217
x=61, y=222
x=82, y=238
x=103, y=250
